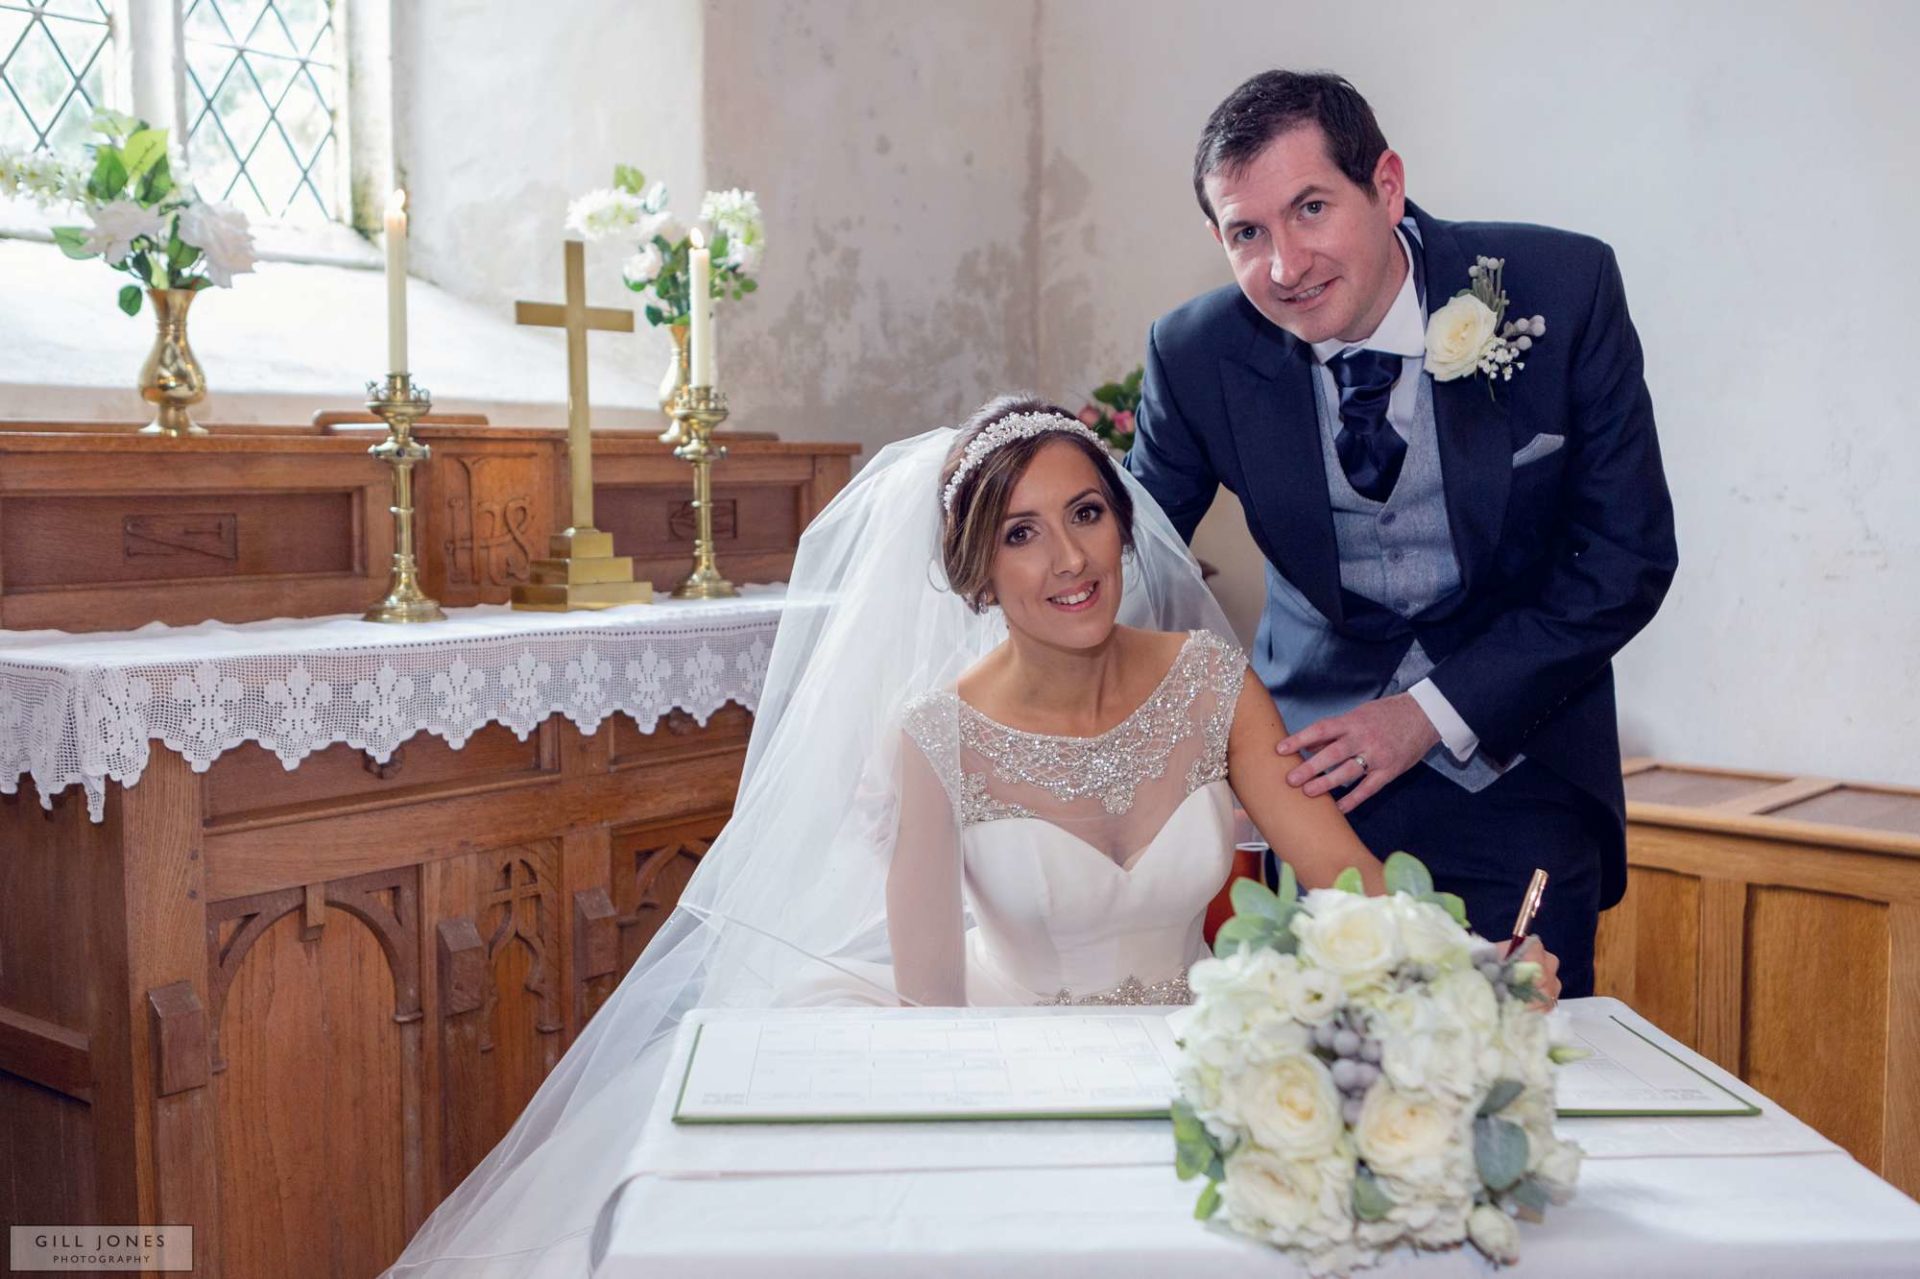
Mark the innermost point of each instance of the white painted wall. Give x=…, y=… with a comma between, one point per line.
x=1752, y=164
x=890, y=144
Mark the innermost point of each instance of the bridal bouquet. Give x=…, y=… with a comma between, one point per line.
x=148, y=221
x=635, y=211
x=1362, y=1072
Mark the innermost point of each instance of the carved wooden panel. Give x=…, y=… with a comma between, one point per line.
x=249, y=780
x=334, y=1004
x=679, y=736
x=487, y=515
x=654, y=522
x=501, y=1009
x=651, y=865
x=62, y=540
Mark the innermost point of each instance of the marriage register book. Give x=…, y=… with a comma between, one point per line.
x=882, y=1066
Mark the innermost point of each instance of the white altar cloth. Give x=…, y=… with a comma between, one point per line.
x=80, y=709
x=1100, y=1201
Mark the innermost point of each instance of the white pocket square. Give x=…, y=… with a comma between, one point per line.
x=1536, y=448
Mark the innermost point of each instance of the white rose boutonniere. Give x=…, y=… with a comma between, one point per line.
x=1472, y=334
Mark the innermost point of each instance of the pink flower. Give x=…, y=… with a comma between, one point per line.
x=1090, y=416
x=1123, y=422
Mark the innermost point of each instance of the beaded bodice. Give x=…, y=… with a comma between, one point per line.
x=992, y=771
x=1085, y=863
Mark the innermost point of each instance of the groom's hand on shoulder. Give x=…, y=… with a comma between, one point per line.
x=1370, y=745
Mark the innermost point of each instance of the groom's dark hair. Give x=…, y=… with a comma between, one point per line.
x=1275, y=101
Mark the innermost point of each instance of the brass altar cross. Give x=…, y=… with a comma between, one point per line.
x=577, y=318
x=583, y=571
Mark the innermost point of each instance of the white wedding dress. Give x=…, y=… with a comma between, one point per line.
x=1086, y=863
x=890, y=844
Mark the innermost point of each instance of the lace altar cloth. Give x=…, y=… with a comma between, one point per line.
x=80, y=709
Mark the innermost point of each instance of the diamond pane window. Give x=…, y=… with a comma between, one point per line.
x=262, y=85
x=53, y=70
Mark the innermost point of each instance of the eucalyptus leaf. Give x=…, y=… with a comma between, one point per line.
x=1499, y=1151
x=749, y=285
x=1251, y=897
x=1241, y=931
x=1349, y=881
x=1370, y=1202
x=1531, y=1196
x=130, y=298
x=1407, y=874
x=1451, y=903
x=1500, y=1096
x=1209, y=1202
x=1289, y=890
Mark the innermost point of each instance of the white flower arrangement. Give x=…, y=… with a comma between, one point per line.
x=1362, y=1073
x=148, y=221
x=1471, y=333
x=635, y=212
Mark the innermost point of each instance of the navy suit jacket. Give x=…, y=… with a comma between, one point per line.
x=1563, y=559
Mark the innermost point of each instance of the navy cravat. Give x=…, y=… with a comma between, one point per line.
x=1370, y=450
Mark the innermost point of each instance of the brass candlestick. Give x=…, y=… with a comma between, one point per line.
x=400, y=404
x=695, y=412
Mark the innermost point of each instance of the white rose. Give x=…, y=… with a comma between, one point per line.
x=220, y=232
x=1289, y=1106
x=1524, y=1044
x=1302, y=1203
x=1315, y=995
x=117, y=224
x=643, y=267
x=1354, y=937
x=1410, y=1139
x=1466, y=1001
x=1430, y=935
x=1494, y=1233
x=1457, y=336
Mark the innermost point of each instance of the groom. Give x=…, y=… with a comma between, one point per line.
x=1456, y=547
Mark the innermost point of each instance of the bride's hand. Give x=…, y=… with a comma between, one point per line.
x=1549, y=983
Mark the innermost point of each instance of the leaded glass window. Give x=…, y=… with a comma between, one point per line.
x=54, y=62
x=262, y=88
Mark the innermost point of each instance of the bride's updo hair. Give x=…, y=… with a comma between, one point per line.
x=971, y=535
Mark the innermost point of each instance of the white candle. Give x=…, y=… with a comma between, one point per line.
x=700, y=310
x=397, y=282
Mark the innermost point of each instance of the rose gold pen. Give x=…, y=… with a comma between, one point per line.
x=1529, y=907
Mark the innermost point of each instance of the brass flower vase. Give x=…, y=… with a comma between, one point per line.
x=679, y=377
x=171, y=380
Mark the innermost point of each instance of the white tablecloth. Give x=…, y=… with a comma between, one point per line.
x=1055, y=1201
x=80, y=709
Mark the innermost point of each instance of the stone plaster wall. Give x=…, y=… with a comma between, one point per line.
x=1752, y=166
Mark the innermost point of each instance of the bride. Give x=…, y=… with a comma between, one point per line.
x=994, y=763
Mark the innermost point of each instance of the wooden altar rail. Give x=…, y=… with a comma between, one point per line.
x=1772, y=923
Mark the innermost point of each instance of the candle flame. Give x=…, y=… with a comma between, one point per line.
x=397, y=202
x=696, y=239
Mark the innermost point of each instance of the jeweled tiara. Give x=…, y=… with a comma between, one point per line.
x=1015, y=426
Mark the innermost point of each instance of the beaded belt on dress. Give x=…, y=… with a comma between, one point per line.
x=1131, y=991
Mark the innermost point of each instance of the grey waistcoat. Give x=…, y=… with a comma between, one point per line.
x=1399, y=553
